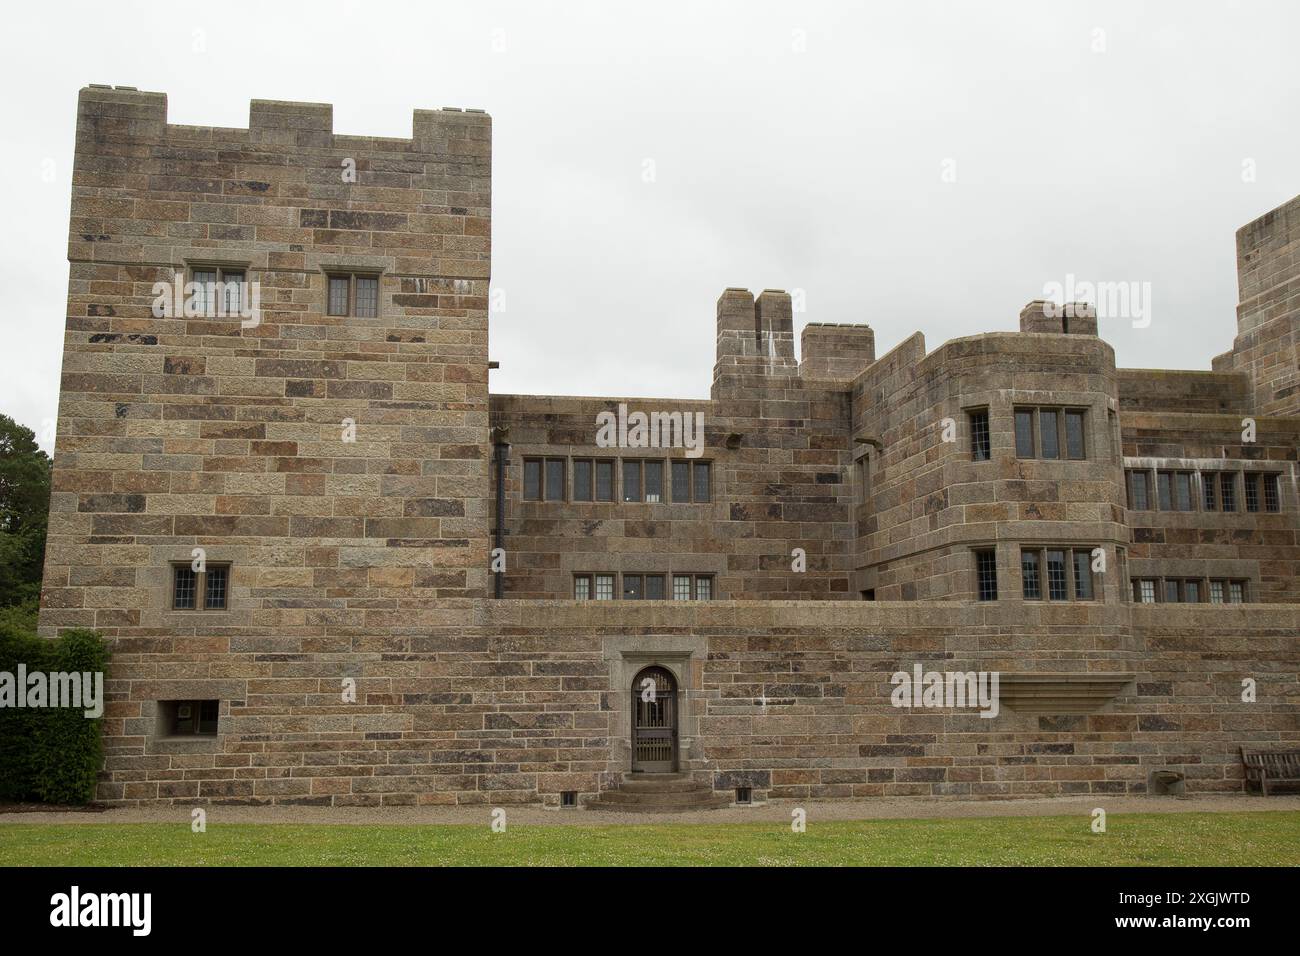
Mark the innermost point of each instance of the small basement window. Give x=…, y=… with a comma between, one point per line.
x=744, y=796
x=569, y=798
x=189, y=718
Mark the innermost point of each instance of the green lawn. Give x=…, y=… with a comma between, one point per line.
x=1182, y=839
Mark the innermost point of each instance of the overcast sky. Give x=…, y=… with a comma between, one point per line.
x=907, y=165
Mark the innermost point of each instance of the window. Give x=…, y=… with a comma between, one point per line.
x=1262, y=492
x=214, y=591
x=1228, y=490
x=1058, y=588
x=555, y=479
x=184, y=588
x=1252, y=491
x=692, y=587
x=352, y=294
x=1216, y=592
x=1236, y=592
x=1183, y=590
x=1049, y=436
x=654, y=481
x=1272, y=496
x=631, y=480
x=1082, y=576
x=1061, y=433
x=1068, y=573
x=986, y=575
x=604, y=481
x=582, y=476
x=703, y=472
x=532, y=479
x=979, y=435
x=543, y=479
x=604, y=587
x=1210, y=500
x=681, y=480
x=582, y=587
x=649, y=587
x=1144, y=591
x=1033, y=586
x=207, y=589
x=1139, y=492
x=220, y=291
x=1174, y=490
x=1024, y=433
x=1074, y=443
x=190, y=718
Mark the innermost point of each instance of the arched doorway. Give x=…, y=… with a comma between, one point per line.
x=654, y=721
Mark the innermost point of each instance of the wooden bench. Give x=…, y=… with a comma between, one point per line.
x=1271, y=766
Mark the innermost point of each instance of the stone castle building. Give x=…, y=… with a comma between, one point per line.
x=335, y=568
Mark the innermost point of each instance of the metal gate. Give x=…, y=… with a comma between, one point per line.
x=654, y=721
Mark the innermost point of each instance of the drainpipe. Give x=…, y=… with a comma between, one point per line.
x=502, y=451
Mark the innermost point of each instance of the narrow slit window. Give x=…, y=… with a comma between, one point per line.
x=979, y=434
x=986, y=575
x=1209, y=499
x=1139, y=495
x=1252, y=492
x=1048, y=433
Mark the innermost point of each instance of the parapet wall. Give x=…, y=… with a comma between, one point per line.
x=791, y=699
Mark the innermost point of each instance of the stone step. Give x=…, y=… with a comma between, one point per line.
x=709, y=803
x=653, y=785
x=660, y=799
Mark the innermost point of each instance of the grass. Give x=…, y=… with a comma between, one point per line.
x=1146, y=839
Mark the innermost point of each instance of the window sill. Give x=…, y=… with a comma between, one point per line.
x=185, y=743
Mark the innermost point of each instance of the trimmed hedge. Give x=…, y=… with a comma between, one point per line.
x=50, y=754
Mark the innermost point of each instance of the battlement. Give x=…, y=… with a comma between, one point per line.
x=124, y=111
x=836, y=351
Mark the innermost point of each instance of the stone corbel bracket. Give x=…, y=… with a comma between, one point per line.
x=1048, y=693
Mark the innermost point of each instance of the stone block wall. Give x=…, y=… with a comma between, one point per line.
x=789, y=698
x=177, y=432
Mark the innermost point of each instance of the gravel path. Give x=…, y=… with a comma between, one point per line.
x=771, y=812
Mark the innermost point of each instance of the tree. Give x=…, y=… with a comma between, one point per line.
x=24, y=512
